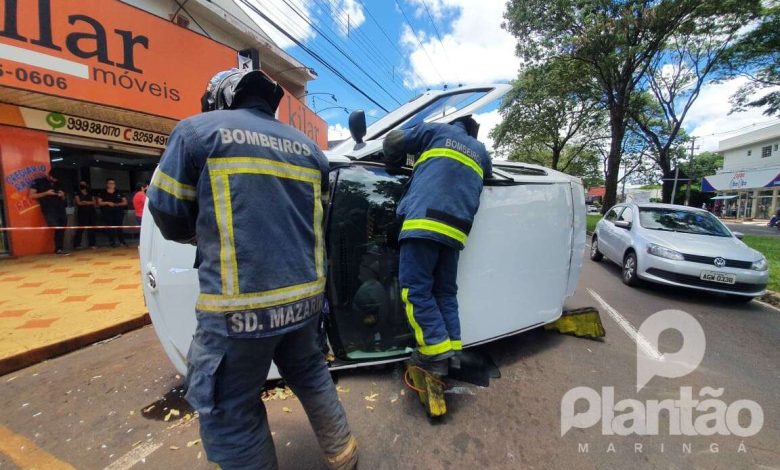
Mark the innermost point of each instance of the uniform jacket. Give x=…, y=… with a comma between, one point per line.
x=442, y=196
x=247, y=189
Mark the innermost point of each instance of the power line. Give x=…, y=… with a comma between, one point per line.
x=363, y=43
x=338, y=48
x=390, y=41
x=409, y=23
x=313, y=54
x=438, y=36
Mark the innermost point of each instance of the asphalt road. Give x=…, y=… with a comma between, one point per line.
x=91, y=409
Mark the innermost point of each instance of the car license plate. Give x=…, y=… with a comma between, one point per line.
x=713, y=276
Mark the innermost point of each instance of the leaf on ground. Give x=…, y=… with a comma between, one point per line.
x=193, y=443
x=146, y=410
x=172, y=414
x=136, y=443
x=371, y=397
x=341, y=389
x=174, y=447
x=369, y=408
x=286, y=409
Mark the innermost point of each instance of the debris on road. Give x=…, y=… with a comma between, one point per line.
x=172, y=413
x=371, y=397
x=193, y=443
x=582, y=322
x=341, y=389
x=286, y=409
x=277, y=393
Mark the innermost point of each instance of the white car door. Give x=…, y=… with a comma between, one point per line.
x=607, y=235
x=623, y=235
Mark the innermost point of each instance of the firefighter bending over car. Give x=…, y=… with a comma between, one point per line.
x=246, y=189
x=437, y=210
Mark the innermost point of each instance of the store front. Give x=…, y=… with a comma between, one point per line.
x=750, y=194
x=92, y=90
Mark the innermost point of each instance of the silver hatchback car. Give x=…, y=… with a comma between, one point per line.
x=679, y=246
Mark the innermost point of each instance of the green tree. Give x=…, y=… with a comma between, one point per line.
x=614, y=41
x=757, y=56
x=552, y=112
x=693, y=55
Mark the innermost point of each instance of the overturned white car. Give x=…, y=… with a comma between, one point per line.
x=522, y=261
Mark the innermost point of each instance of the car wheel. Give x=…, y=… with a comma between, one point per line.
x=629, y=269
x=595, y=254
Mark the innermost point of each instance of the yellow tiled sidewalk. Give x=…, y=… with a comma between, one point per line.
x=49, y=299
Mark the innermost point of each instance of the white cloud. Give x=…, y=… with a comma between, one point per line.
x=476, y=49
x=487, y=121
x=285, y=17
x=709, y=119
x=337, y=132
x=348, y=12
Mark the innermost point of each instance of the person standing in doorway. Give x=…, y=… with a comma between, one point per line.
x=112, y=204
x=86, y=215
x=139, y=199
x=51, y=198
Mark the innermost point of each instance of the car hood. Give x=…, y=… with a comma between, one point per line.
x=703, y=245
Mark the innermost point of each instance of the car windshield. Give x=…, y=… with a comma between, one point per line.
x=680, y=220
x=443, y=106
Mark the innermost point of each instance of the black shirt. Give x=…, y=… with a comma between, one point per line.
x=49, y=204
x=115, y=197
x=85, y=211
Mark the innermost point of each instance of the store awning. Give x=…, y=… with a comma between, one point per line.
x=733, y=196
x=736, y=180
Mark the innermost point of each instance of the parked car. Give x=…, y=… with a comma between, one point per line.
x=522, y=260
x=592, y=209
x=679, y=246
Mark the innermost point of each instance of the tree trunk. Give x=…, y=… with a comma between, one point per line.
x=617, y=126
x=556, y=157
x=665, y=164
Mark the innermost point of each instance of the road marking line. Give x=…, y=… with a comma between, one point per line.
x=134, y=456
x=632, y=333
x=26, y=454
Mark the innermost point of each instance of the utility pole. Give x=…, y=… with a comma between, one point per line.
x=690, y=173
x=676, y=175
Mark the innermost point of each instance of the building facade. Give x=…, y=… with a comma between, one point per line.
x=747, y=185
x=92, y=88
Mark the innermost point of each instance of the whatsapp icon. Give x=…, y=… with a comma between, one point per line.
x=55, y=120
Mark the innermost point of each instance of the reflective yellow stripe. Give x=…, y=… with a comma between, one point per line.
x=418, y=332
x=223, y=211
x=435, y=349
x=265, y=299
x=435, y=226
x=220, y=168
x=168, y=184
x=457, y=344
x=453, y=154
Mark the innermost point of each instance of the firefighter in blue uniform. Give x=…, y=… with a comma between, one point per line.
x=246, y=189
x=437, y=210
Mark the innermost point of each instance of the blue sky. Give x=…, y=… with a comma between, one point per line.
x=407, y=46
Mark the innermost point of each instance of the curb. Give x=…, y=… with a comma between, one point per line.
x=34, y=356
x=772, y=298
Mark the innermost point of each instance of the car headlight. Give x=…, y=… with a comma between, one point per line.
x=663, y=252
x=760, y=265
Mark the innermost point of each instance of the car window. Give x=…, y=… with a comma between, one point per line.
x=366, y=312
x=443, y=106
x=613, y=213
x=681, y=220
x=627, y=215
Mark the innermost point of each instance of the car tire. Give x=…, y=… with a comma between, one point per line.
x=630, y=267
x=595, y=254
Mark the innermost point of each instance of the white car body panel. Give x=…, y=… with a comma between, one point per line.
x=522, y=261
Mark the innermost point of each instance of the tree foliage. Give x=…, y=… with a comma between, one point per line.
x=615, y=43
x=550, y=110
x=757, y=56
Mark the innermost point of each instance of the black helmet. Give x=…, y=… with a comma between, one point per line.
x=470, y=125
x=227, y=88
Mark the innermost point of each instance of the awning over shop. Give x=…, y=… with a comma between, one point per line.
x=733, y=196
x=736, y=180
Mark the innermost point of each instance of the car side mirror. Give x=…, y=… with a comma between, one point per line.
x=357, y=125
x=623, y=224
x=739, y=235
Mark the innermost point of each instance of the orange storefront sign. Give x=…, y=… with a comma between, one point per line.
x=107, y=52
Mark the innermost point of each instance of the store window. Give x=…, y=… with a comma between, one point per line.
x=749, y=153
x=766, y=151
